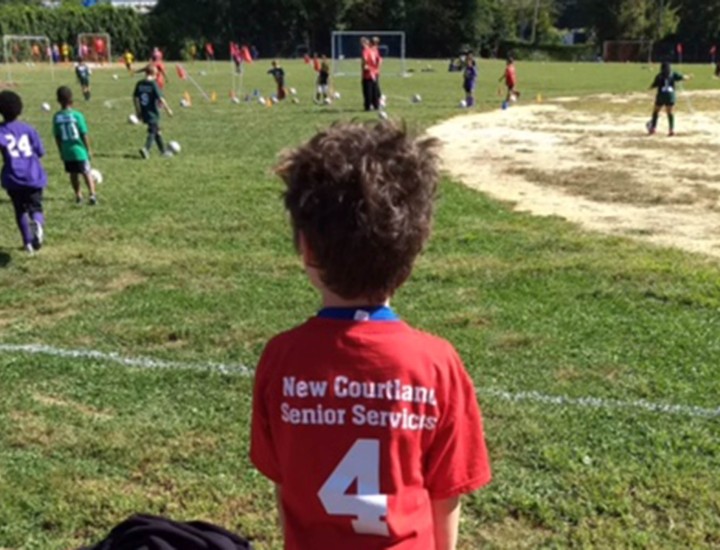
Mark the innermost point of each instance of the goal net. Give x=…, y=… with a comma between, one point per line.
x=94, y=47
x=33, y=52
x=346, y=51
x=627, y=50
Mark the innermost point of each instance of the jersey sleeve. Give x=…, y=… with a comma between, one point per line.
x=37, y=145
x=81, y=123
x=457, y=461
x=263, y=453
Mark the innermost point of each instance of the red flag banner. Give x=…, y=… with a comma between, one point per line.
x=679, y=48
x=245, y=54
x=713, y=50
x=181, y=72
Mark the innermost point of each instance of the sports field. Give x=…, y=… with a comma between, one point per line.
x=127, y=344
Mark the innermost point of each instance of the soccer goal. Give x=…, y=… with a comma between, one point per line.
x=94, y=47
x=32, y=51
x=346, y=52
x=628, y=50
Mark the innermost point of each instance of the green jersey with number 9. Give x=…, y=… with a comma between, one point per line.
x=69, y=127
x=148, y=95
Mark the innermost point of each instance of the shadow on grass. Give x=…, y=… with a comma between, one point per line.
x=4, y=259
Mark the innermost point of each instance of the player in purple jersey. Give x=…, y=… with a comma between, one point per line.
x=469, y=78
x=23, y=176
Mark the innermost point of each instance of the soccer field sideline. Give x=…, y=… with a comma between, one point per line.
x=531, y=396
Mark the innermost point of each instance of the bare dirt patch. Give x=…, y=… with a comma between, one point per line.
x=597, y=166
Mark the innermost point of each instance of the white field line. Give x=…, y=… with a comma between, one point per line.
x=245, y=371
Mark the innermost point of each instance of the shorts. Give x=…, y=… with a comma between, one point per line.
x=26, y=199
x=664, y=101
x=468, y=87
x=84, y=82
x=77, y=166
x=323, y=89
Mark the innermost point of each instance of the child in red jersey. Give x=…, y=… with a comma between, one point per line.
x=510, y=78
x=370, y=429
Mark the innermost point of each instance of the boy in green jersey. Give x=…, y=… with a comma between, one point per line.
x=665, y=83
x=70, y=131
x=147, y=98
x=83, y=72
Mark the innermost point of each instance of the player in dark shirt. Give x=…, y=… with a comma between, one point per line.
x=148, y=98
x=83, y=72
x=666, y=97
x=278, y=74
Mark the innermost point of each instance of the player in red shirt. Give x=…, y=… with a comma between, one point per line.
x=510, y=78
x=376, y=64
x=369, y=428
x=367, y=67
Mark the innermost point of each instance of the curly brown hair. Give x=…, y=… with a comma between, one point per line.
x=362, y=196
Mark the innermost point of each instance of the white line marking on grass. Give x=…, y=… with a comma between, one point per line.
x=245, y=371
x=601, y=403
x=138, y=362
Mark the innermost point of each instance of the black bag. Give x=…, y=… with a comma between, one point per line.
x=146, y=532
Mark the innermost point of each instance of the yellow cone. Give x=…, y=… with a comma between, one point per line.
x=539, y=98
x=187, y=98
x=213, y=96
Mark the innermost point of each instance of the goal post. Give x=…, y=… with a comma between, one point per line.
x=32, y=51
x=94, y=47
x=346, y=52
x=628, y=50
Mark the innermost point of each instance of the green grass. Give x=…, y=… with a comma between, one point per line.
x=190, y=260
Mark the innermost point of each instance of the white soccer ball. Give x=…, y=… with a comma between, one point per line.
x=261, y=100
x=383, y=100
x=133, y=119
x=184, y=103
x=292, y=91
x=327, y=101
x=274, y=99
x=45, y=106
x=96, y=175
x=175, y=147
x=115, y=77
x=513, y=98
x=462, y=104
x=235, y=100
x=336, y=95
x=416, y=98
x=203, y=73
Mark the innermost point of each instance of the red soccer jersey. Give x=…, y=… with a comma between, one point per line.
x=368, y=63
x=363, y=424
x=510, y=78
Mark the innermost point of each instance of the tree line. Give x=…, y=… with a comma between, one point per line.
x=434, y=28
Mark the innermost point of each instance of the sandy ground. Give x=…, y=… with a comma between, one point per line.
x=592, y=163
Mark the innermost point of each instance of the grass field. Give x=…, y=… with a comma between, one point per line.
x=595, y=358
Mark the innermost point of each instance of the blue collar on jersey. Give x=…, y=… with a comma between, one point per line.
x=370, y=313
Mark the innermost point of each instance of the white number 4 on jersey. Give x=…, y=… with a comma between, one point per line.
x=361, y=463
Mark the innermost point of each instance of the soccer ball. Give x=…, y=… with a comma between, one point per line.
x=203, y=73
x=292, y=91
x=115, y=77
x=416, y=98
x=327, y=101
x=174, y=147
x=261, y=100
x=274, y=99
x=45, y=106
x=513, y=98
x=133, y=119
x=336, y=95
x=184, y=103
x=96, y=175
x=463, y=104
x=235, y=99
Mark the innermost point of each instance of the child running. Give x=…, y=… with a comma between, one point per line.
x=23, y=176
x=322, y=94
x=469, y=79
x=369, y=428
x=146, y=97
x=83, y=72
x=278, y=74
x=70, y=131
x=510, y=78
x=665, y=82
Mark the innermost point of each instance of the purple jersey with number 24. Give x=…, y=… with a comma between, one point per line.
x=21, y=150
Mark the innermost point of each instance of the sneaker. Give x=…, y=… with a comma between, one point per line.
x=93, y=200
x=29, y=249
x=78, y=200
x=167, y=153
x=38, y=234
x=144, y=153
x=671, y=133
